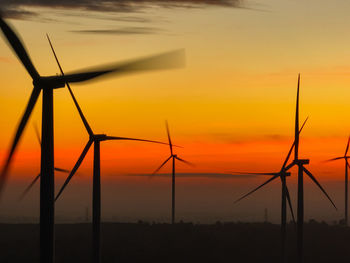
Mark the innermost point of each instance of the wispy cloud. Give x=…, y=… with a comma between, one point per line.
x=196, y=175
x=5, y=59
x=111, y=17
x=17, y=8
x=239, y=139
x=16, y=13
x=121, y=31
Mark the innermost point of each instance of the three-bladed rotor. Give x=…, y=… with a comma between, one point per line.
x=282, y=174
x=345, y=157
x=93, y=138
x=172, y=155
x=173, y=59
x=301, y=162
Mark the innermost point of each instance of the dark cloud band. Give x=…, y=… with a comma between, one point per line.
x=121, y=31
x=197, y=175
x=16, y=8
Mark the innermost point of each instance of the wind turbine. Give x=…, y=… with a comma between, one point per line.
x=173, y=59
x=38, y=176
x=345, y=157
x=282, y=174
x=95, y=139
x=300, y=163
x=172, y=157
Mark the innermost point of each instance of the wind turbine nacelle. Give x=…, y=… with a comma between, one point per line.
x=303, y=161
x=52, y=82
x=100, y=137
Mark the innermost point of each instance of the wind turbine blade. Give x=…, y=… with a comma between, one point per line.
x=334, y=159
x=31, y=103
x=296, y=131
x=169, y=139
x=86, y=124
x=61, y=170
x=36, y=129
x=347, y=147
x=19, y=49
x=75, y=168
x=268, y=181
x=168, y=60
x=160, y=167
x=319, y=185
x=29, y=187
x=132, y=139
x=290, y=204
x=291, y=148
x=302, y=126
x=248, y=173
x=289, y=166
x=184, y=161
x=347, y=163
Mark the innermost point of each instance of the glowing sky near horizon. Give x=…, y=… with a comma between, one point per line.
x=232, y=107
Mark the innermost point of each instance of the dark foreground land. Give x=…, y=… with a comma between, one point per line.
x=142, y=242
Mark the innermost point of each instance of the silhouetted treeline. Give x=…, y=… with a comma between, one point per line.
x=182, y=242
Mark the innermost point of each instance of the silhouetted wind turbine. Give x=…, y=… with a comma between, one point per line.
x=345, y=157
x=173, y=59
x=171, y=157
x=282, y=174
x=95, y=139
x=301, y=170
x=38, y=176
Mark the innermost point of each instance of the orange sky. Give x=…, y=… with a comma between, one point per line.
x=231, y=108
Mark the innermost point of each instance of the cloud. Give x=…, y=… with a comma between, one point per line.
x=111, y=17
x=276, y=137
x=121, y=31
x=5, y=59
x=242, y=139
x=197, y=175
x=18, y=8
x=17, y=13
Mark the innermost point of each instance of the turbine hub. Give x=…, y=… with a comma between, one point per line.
x=52, y=82
x=100, y=137
x=302, y=161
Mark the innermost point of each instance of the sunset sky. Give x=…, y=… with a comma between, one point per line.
x=232, y=107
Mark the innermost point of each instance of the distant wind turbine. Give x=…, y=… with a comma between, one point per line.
x=95, y=139
x=172, y=157
x=301, y=170
x=282, y=174
x=173, y=59
x=345, y=157
x=25, y=192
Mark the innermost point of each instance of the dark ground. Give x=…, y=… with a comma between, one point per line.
x=142, y=242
